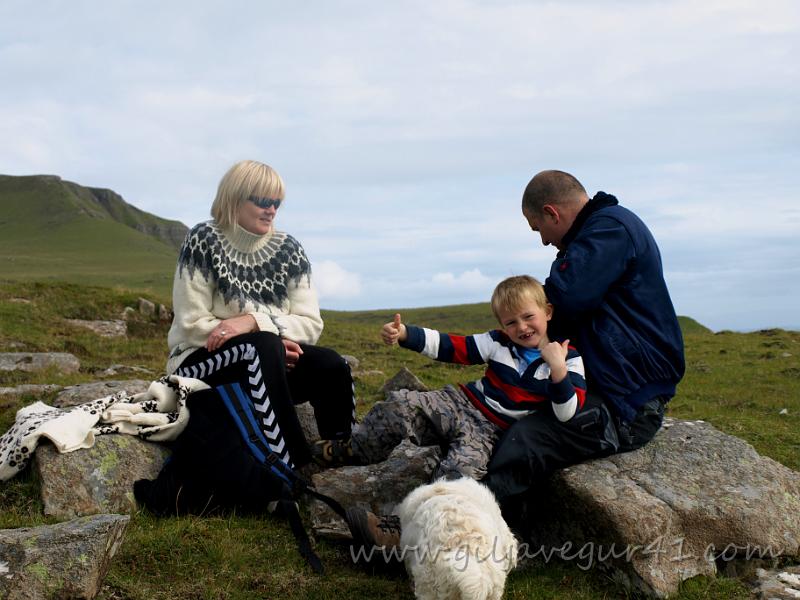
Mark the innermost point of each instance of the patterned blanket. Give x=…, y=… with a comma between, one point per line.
x=158, y=415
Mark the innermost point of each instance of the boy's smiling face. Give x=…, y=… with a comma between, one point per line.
x=526, y=324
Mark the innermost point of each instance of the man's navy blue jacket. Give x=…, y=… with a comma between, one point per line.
x=611, y=300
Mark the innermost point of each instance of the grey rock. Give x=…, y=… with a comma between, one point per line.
x=379, y=487
x=128, y=313
x=86, y=392
x=66, y=561
x=34, y=389
x=38, y=361
x=691, y=499
x=164, y=314
x=146, y=307
x=404, y=380
x=102, y=328
x=777, y=584
x=98, y=479
x=115, y=370
x=352, y=361
x=305, y=414
x=19, y=300
x=368, y=373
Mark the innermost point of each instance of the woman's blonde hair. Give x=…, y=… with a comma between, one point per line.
x=244, y=179
x=512, y=292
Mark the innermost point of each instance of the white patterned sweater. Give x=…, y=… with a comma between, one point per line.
x=223, y=274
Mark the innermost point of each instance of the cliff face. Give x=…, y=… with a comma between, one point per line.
x=170, y=232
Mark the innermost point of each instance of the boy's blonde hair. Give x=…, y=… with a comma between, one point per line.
x=244, y=179
x=513, y=291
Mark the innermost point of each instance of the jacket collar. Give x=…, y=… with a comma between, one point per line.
x=600, y=200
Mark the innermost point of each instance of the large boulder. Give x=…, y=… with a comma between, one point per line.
x=86, y=392
x=379, y=487
x=65, y=561
x=39, y=361
x=98, y=479
x=692, y=498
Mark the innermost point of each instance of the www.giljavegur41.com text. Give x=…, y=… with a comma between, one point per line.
x=585, y=555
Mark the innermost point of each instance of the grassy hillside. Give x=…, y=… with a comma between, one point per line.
x=738, y=382
x=57, y=230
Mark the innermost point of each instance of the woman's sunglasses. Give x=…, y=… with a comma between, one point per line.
x=265, y=202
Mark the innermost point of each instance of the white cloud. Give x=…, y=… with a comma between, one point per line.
x=468, y=281
x=334, y=282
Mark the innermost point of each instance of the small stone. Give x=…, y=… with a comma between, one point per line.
x=127, y=313
x=404, y=380
x=146, y=307
x=785, y=411
x=352, y=361
x=164, y=314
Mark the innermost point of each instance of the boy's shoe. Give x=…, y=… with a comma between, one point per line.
x=371, y=530
x=332, y=453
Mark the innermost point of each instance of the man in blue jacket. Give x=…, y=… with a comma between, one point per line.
x=610, y=299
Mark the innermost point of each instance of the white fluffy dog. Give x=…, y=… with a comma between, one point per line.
x=457, y=545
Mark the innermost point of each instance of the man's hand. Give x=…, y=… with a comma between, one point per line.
x=293, y=352
x=230, y=328
x=394, y=332
x=555, y=355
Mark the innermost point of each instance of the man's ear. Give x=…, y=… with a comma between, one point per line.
x=551, y=211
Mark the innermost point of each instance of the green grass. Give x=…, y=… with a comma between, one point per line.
x=739, y=382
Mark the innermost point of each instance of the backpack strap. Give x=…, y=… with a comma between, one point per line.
x=240, y=407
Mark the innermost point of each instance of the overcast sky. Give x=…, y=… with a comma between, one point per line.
x=407, y=131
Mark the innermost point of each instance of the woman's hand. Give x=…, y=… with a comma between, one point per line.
x=293, y=352
x=230, y=328
x=394, y=332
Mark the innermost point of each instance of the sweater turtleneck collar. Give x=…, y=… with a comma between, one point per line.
x=247, y=242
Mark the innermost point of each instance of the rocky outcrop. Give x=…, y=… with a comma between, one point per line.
x=691, y=499
x=39, y=361
x=65, y=561
x=86, y=392
x=98, y=479
x=380, y=486
x=404, y=380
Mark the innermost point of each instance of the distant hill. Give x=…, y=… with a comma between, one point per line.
x=51, y=229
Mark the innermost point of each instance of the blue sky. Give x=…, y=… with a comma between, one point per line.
x=406, y=132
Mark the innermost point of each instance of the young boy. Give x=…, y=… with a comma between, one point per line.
x=526, y=374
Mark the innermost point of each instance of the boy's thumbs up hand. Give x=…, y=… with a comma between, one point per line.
x=393, y=332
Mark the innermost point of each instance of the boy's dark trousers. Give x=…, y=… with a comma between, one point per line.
x=536, y=446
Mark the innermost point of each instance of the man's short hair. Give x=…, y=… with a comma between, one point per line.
x=512, y=292
x=551, y=187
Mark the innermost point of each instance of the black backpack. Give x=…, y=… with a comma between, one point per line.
x=222, y=461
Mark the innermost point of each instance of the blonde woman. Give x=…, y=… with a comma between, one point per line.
x=246, y=311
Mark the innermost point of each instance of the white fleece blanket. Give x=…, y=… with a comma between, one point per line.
x=158, y=415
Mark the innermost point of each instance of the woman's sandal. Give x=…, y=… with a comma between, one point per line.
x=332, y=453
